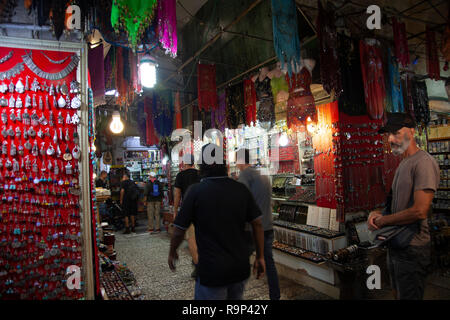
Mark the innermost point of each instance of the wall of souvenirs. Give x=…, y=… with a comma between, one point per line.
x=40, y=215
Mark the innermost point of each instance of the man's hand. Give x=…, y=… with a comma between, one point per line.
x=259, y=268
x=379, y=222
x=172, y=259
x=371, y=220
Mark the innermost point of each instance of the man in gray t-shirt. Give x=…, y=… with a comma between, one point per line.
x=415, y=182
x=261, y=189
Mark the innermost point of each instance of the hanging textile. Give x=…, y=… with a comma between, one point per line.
x=179, y=123
x=152, y=138
x=285, y=34
x=432, y=55
x=250, y=101
x=395, y=85
x=108, y=66
x=279, y=85
x=167, y=26
x=351, y=100
x=58, y=17
x=373, y=77
x=420, y=100
x=235, y=105
x=301, y=104
x=328, y=46
x=400, y=42
x=407, y=93
x=134, y=16
x=218, y=116
x=206, y=84
x=142, y=122
x=97, y=74
x=265, y=112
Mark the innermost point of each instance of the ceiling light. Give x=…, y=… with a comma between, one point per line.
x=147, y=70
x=116, y=125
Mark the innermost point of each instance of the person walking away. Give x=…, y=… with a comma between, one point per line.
x=184, y=179
x=415, y=182
x=261, y=190
x=153, y=195
x=219, y=207
x=129, y=194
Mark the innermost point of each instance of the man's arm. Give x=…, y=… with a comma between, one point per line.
x=259, y=267
x=176, y=200
x=177, y=239
x=419, y=211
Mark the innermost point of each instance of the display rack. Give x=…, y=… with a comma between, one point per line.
x=439, y=148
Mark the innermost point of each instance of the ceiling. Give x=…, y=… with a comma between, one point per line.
x=186, y=10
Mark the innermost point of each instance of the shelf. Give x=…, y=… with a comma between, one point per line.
x=312, y=231
x=438, y=139
x=321, y=261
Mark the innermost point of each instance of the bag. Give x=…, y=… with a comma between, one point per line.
x=155, y=189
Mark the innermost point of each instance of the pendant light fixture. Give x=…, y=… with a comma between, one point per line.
x=147, y=71
x=116, y=125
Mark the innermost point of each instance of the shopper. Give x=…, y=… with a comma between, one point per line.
x=219, y=207
x=101, y=181
x=415, y=182
x=187, y=177
x=261, y=190
x=153, y=194
x=129, y=195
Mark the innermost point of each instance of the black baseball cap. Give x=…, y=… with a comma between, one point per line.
x=396, y=121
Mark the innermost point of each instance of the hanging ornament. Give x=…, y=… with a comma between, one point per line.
x=20, y=151
x=27, y=101
x=58, y=151
x=34, y=104
x=4, y=133
x=68, y=118
x=76, y=153
x=60, y=118
x=19, y=117
x=4, y=117
x=55, y=138
x=12, y=116
x=67, y=155
x=5, y=147
x=41, y=103
x=47, y=132
x=76, y=102
x=35, y=150
x=40, y=133
x=13, y=150
x=51, y=121
x=64, y=89
x=75, y=119
x=34, y=119
x=20, y=88
x=12, y=102
x=16, y=166
x=42, y=150
x=28, y=145
x=43, y=120
x=31, y=132
x=28, y=60
x=3, y=88
x=27, y=86
x=52, y=90
x=3, y=102
x=67, y=136
x=61, y=102
x=50, y=150
x=55, y=104
x=11, y=87
x=56, y=168
x=74, y=86
x=26, y=118
x=11, y=73
x=57, y=88
x=60, y=134
x=69, y=169
x=10, y=131
x=19, y=103
x=47, y=105
x=75, y=138
x=35, y=85
x=18, y=132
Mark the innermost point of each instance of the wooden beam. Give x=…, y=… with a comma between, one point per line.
x=214, y=39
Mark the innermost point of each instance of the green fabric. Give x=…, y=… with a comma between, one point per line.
x=279, y=84
x=134, y=16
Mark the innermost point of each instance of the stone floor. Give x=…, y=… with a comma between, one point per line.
x=146, y=256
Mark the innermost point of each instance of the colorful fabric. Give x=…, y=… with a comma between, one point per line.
x=134, y=16
x=97, y=74
x=373, y=78
x=218, y=116
x=235, y=105
x=206, y=84
x=167, y=26
x=395, y=84
x=152, y=138
x=250, y=101
x=278, y=84
x=420, y=100
x=432, y=55
x=285, y=33
x=400, y=42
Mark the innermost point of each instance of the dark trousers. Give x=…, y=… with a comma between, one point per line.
x=271, y=270
x=408, y=269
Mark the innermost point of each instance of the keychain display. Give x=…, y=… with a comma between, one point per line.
x=40, y=221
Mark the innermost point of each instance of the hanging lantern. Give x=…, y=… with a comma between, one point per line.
x=147, y=71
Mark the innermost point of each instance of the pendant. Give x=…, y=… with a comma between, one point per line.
x=28, y=145
x=55, y=104
x=31, y=132
x=75, y=119
x=11, y=87
x=67, y=155
x=56, y=169
x=47, y=132
x=13, y=150
x=76, y=103
x=42, y=150
x=75, y=137
x=43, y=120
x=34, y=119
x=19, y=103
x=27, y=102
x=10, y=132
x=58, y=152
x=27, y=87
x=12, y=116
x=35, y=85
x=40, y=133
x=51, y=121
x=55, y=138
x=35, y=150
x=47, y=105
x=3, y=88
x=60, y=134
x=50, y=150
x=5, y=148
x=4, y=133
x=68, y=118
x=18, y=132
x=20, y=88
x=16, y=167
x=51, y=90
x=68, y=168
x=34, y=101
x=60, y=118
x=3, y=102
x=67, y=136
x=20, y=151
x=41, y=103
x=4, y=117
x=76, y=153
x=68, y=101
x=12, y=102
x=19, y=117
x=61, y=102
x=64, y=89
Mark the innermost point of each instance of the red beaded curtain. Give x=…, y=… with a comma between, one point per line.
x=327, y=114
x=57, y=215
x=432, y=55
x=250, y=101
x=206, y=84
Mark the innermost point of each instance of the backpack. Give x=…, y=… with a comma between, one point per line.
x=155, y=189
x=133, y=191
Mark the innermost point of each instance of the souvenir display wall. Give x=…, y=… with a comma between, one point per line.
x=40, y=213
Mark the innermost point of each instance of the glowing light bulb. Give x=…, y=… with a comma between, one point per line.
x=147, y=69
x=283, y=140
x=116, y=125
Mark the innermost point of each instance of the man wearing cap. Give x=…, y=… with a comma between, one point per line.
x=415, y=182
x=153, y=195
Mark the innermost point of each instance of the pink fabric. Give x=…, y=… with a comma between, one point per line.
x=167, y=26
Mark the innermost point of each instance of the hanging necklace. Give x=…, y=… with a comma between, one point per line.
x=54, y=61
x=28, y=60
x=11, y=73
x=7, y=57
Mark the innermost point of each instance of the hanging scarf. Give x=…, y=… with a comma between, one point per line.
x=250, y=101
x=142, y=122
x=329, y=62
x=179, y=123
x=97, y=74
x=152, y=138
x=235, y=106
x=432, y=55
x=167, y=26
x=420, y=99
x=395, y=84
x=132, y=15
x=108, y=69
x=218, y=116
x=206, y=83
x=285, y=33
x=400, y=42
